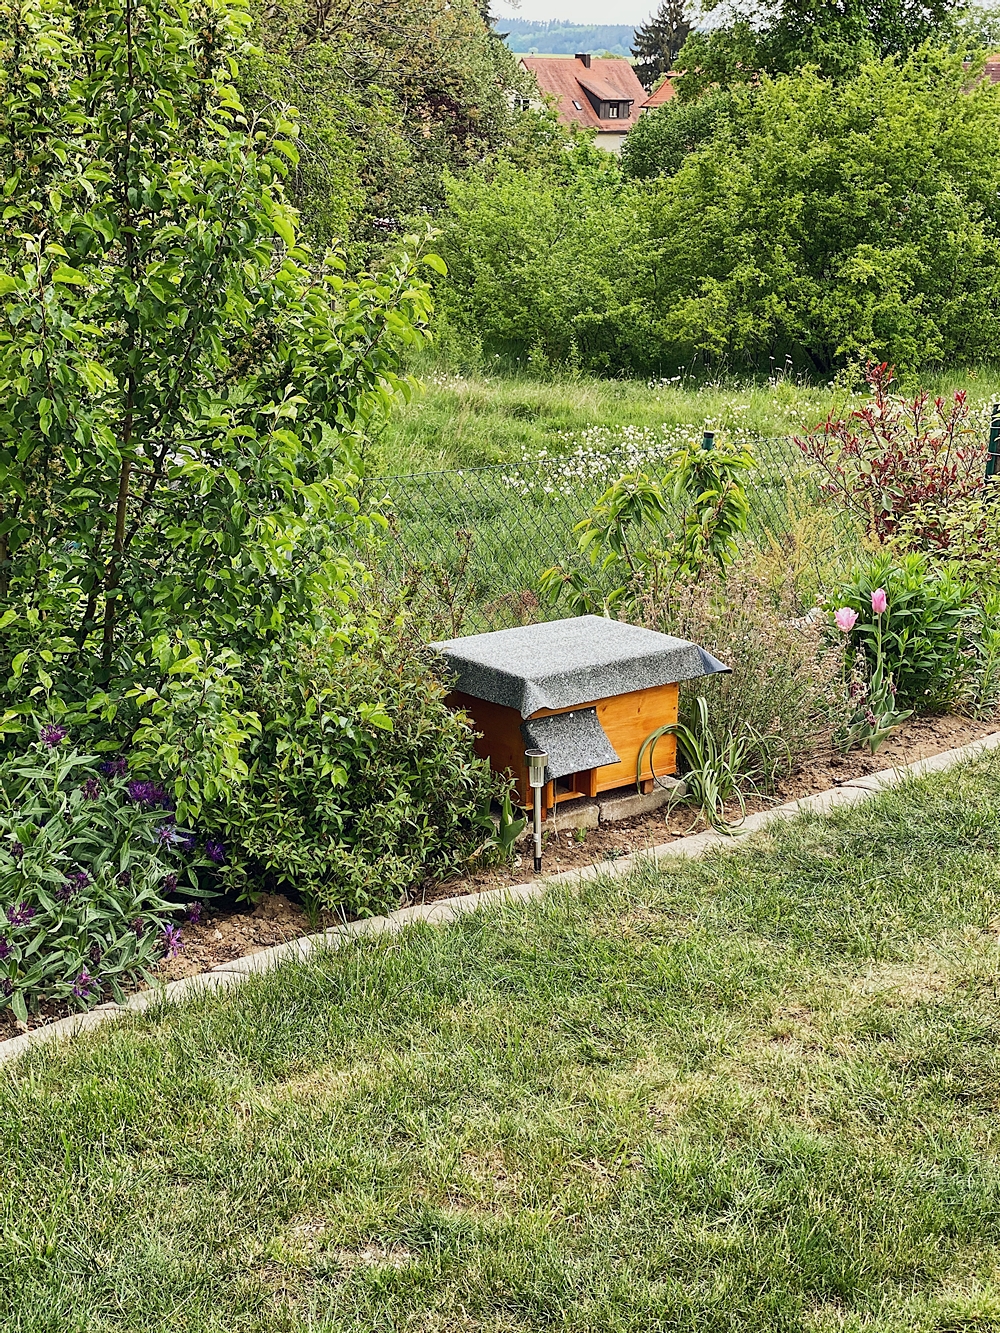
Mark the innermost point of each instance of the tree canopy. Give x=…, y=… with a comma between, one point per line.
x=658, y=42
x=179, y=378
x=781, y=36
x=388, y=95
x=819, y=218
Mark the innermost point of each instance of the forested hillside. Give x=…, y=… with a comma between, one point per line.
x=558, y=38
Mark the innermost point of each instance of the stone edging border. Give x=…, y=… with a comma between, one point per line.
x=447, y=909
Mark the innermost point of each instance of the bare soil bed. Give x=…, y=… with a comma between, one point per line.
x=567, y=849
x=225, y=933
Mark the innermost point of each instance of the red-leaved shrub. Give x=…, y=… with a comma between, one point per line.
x=901, y=462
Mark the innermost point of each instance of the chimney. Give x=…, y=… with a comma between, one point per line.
x=582, y=55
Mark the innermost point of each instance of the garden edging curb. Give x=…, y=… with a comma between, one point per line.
x=226, y=974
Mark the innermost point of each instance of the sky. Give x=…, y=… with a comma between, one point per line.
x=577, y=11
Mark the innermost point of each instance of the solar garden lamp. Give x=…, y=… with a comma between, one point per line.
x=537, y=759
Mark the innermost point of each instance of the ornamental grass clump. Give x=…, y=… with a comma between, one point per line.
x=93, y=872
x=786, y=680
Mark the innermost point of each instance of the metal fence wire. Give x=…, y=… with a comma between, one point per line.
x=473, y=542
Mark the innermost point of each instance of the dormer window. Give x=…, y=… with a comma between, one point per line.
x=612, y=111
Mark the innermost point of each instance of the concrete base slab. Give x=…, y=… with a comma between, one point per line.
x=583, y=813
x=627, y=803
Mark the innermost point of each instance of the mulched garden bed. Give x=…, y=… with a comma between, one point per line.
x=228, y=932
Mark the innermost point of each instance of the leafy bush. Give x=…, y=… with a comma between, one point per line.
x=362, y=781
x=985, y=694
x=965, y=531
x=902, y=465
x=539, y=263
x=90, y=863
x=660, y=141
x=822, y=220
x=787, y=680
x=925, y=631
x=810, y=230
x=181, y=381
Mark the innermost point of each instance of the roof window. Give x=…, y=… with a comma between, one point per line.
x=577, y=105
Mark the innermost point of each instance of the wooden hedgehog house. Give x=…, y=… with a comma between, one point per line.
x=588, y=691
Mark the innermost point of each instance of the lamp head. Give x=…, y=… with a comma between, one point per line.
x=537, y=759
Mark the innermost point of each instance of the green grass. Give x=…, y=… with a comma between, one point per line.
x=476, y=420
x=758, y=1092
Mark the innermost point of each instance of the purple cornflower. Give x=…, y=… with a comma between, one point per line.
x=187, y=842
x=5, y=949
x=215, y=851
x=20, y=915
x=78, y=880
x=96, y=953
x=149, y=793
x=17, y=849
x=51, y=735
x=194, y=915
x=172, y=941
x=124, y=878
x=115, y=768
x=91, y=789
x=137, y=927
x=83, y=985
x=169, y=883
x=142, y=793
x=167, y=835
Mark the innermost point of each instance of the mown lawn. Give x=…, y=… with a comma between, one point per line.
x=754, y=1093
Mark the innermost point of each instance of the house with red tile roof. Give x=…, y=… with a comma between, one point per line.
x=662, y=93
x=602, y=94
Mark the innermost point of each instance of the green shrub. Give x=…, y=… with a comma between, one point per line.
x=182, y=382
x=792, y=223
x=540, y=268
x=659, y=143
x=362, y=781
x=90, y=861
x=925, y=630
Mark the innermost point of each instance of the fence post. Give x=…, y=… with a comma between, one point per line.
x=993, y=457
x=708, y=439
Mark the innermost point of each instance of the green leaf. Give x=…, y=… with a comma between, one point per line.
x=73, y=276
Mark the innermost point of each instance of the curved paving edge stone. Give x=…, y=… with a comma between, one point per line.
x=439, y=913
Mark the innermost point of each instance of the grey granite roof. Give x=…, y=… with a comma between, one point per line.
x=565, y=662
x=573, y=741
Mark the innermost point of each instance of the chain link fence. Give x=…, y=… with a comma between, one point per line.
x=470, y=544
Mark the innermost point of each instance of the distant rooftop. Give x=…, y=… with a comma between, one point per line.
x=593, y=92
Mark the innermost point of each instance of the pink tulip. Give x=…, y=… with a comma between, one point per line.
x=846, y=618
x=880, y=602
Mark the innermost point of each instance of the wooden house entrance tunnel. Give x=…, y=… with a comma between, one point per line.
x=588, y=691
